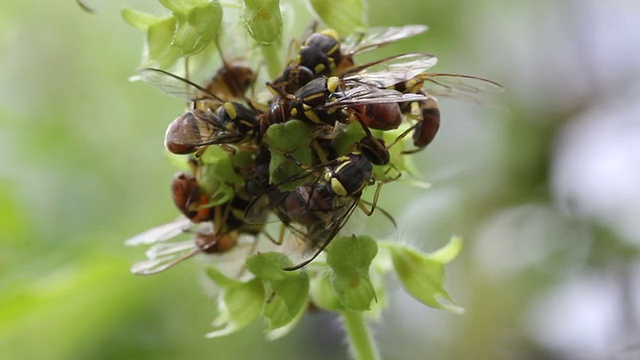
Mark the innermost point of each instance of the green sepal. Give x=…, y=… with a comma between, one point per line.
x=287, y=291
x=323, y=293
x=350, y=259
x=192, y=28
x=239, y=305
x=263, y=20
x=288, y=136
x=139, y=19
x=292, y=137
x=220, y=279
x=344, y=140
x=159, y=40
x=422, y=275
x=345, y=16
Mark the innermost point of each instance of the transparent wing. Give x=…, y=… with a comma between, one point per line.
x=168, y=245
x=376, y=37
x=318, y=236
x=392, y=70
x=273, y=199
x=161, y=233
x=175, y=85
x=161, y=257
x=368, y=94
x=447, y=84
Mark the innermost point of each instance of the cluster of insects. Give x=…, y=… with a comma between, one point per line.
x=324, y=89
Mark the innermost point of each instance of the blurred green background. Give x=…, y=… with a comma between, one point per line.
x=542, y=182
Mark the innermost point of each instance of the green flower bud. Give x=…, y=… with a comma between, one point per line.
x=263, y=20
x=350, y=258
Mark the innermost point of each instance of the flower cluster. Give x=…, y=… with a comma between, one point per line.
x=302, y=151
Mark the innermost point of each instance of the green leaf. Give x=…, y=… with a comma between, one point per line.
x=345, y=16
x=238, y=305
x=287, y=291
x=422, y=275
x=350, y=258
x=263, y=20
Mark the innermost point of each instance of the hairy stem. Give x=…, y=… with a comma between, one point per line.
x=360, y=339
x=272, y=58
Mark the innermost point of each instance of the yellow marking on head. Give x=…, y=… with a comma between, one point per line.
x=231, y=110
x=332, y=83
x=332, y=33
x=337, y=188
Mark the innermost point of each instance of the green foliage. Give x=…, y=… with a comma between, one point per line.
x=342, y=283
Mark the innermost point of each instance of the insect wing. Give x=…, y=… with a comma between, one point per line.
x=320, y=236
x=168, y=247
x=376, y=37
x=460, y=83
x=274, y=198
x=161, y=257
x=392, y=70
x=367, y=94
x=175, y=85
x=161, y=233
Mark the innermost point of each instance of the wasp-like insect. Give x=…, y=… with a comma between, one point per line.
x=210, y=121
x=322, y=54
x=168, y=247
x=410, y=76
x=318, y=208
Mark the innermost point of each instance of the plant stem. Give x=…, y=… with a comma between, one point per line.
x=360, y=338
x=272, y=58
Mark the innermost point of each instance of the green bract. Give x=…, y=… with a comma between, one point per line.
x=422, y=275
x=350, y=258
x=194, y=25
x=287, y=291
x=263, y=20
x=239, y=304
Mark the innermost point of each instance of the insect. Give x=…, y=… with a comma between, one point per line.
x=317, y=209
x=189, y=199
x=409, y=76
x=324, y=100
x=210, y=121
x=322, y=54
x=220, y=235
x=232, y=80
